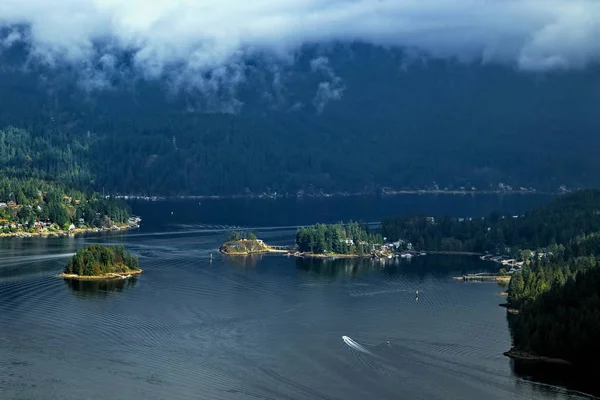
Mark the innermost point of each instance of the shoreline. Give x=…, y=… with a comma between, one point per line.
x=247, y=253
x=315, y=255
x=246, y=247
x=62, y=233
x=109, y=276
x=266, y=195
x=516, y=354
x=454, y=253
x=509, y=307
x=482, y=278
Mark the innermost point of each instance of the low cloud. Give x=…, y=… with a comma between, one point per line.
x=204, y=45
x=328, y=90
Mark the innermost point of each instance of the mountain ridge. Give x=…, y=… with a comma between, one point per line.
x=353, y=118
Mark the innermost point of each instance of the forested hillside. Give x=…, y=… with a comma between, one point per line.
x=344, y=118
x=558, y=298
x=53, y=156
x=556, y=223
x=556, y=292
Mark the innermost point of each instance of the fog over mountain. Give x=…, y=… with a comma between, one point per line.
x=235, y=97
x=184, y=39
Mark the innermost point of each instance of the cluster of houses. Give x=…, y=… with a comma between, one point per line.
x=511, y=264
x=8, y=204
x=399, y=248
x=351, y=242
x=42, y=224
x=397, y=245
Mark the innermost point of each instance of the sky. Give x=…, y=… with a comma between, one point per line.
x=192, y=37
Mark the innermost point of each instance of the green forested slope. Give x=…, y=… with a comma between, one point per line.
x=555, y=223
x=396, y=124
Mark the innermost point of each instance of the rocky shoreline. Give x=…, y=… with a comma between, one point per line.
x=315, y=255
x=246, y=247
x=524, y=356
x=72, y=232
x=112, y=275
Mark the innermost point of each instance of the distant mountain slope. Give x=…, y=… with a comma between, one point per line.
x=349, y=118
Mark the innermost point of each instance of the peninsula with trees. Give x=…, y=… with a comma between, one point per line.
x=338, y=240
x=552, y=254
x=321, y=241
x=556, y=305
x=551, y=224
x=98, y=262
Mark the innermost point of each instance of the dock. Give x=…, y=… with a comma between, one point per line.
x=284, y=248
x=482, y=277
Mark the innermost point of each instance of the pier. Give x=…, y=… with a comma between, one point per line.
x=284, y=248
x=483, y=277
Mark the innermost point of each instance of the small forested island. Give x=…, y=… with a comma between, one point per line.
x=346, y=240
x=240, y=243
x=101, y=262
x=35, y=207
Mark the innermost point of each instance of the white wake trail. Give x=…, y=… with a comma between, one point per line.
x=353, y=345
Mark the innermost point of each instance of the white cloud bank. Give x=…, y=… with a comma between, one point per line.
x=198, y=36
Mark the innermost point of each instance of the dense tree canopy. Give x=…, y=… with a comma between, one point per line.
x=351, y=238
x=30, y=201
x=98, y=260
x=398, y=123
x=557, y=291
x=558, y=298
x=555, y=223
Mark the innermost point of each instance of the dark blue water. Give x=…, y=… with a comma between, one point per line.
x=298, y=211
x=265, y=327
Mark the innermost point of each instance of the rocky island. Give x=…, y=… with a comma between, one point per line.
x=246, y=244
x=98, y=262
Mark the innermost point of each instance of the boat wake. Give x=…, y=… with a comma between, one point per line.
x=355, y=346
